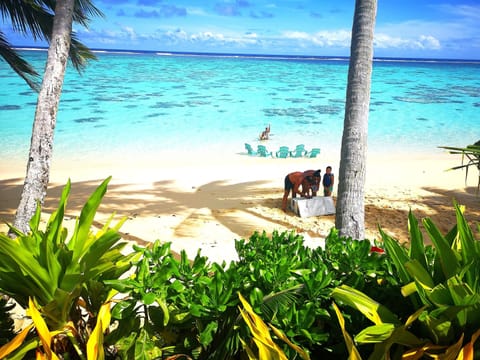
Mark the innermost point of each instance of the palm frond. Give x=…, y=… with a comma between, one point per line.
x=471, y=153
x=84, y=11
x=36, y=18
x=284, y=298
x=27, y=17
x=80, y=54
x=18, y=64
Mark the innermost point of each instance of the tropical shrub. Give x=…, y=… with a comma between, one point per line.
x=191, y=307
x=63, y=279
x=441, y=282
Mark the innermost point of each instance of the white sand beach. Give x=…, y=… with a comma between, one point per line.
x=207, y=201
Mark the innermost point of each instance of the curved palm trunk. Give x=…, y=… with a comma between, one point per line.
x=350, y=212
x=41, y=145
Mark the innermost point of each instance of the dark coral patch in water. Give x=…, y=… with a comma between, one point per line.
x=166, y=105
x=326, y=109
x=88, y=120
x=10, y=107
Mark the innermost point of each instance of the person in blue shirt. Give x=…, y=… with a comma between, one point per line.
x=328, y=180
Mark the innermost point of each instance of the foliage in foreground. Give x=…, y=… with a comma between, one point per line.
x=63, y=278
x=192, y=309
x=441, y=282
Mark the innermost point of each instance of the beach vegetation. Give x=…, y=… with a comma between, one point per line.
x=347, y=299
x=440, y=281
x=350, y=208
x=182, y=306
x=60, y=281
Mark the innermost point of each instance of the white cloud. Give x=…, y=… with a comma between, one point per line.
x=340, y=38
x=206, y=37
x=424, y=42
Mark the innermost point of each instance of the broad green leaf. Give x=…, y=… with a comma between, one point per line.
x=417, y=248
x=142, y=345
x=447, y=257
x=467, y=245
x=81, y=240
x=373, y=310
x=398, y=254
x=375, y=333
x=35, y=220
x=419, y=273
x=54, y=225
x=11, y=251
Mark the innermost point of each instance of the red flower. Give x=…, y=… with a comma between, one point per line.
x=377, y=250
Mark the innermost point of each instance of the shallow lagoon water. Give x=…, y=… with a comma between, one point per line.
x=136, y=103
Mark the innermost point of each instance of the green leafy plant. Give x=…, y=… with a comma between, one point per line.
x=441, y=282
x=64, y=277
x=177, y=306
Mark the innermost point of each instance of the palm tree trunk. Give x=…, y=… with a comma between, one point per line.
x=350, y=211
x=41, y=145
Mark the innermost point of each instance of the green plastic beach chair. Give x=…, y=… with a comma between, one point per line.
x=299, y=151
x=263, y=152
x=249, y=149
x=283, y=152
x=313, y=153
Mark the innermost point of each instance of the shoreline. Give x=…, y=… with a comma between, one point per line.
x=206, y=201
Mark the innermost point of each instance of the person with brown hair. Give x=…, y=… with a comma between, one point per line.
x=306, y=179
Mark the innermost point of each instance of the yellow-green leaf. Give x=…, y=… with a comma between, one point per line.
x=352, y=350
x=15, y=342
x=41, y=327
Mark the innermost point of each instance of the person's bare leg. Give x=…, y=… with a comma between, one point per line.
x=284, y=200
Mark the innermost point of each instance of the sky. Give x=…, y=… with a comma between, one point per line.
x=441, y=29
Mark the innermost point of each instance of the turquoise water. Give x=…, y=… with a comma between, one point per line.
x=137, y=103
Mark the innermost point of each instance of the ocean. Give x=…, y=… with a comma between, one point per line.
x=147, y=102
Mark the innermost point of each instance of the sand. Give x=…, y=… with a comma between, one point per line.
x=207, y=201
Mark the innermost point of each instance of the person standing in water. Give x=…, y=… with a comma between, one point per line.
x=265, y=134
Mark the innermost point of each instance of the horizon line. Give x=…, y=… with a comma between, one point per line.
x=257, y=55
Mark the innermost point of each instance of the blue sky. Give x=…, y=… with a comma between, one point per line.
x=404, y=28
